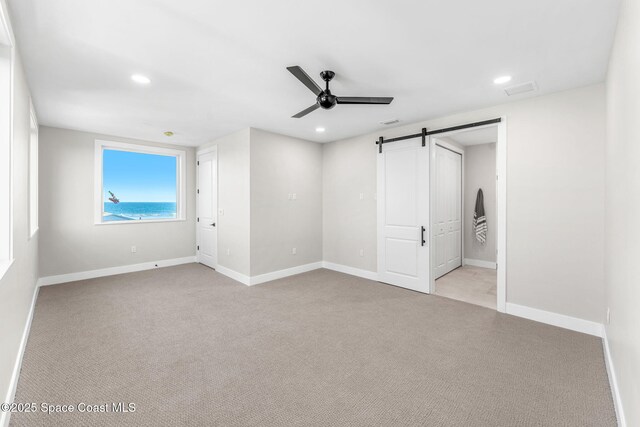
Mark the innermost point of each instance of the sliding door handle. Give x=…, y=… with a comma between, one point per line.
x=422, y=236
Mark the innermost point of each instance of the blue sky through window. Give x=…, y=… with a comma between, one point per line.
x=138, y=177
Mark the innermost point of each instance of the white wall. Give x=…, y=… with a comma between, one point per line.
x=282, y=166
x=349, y=221
x=480, y=172
x=70, y=242
x=555, y=206
x=257, y=171
x=234, y=199
x=17, y=287
x=622, y=226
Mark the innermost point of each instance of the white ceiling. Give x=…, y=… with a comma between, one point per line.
x=220, y=66
x=484, y=135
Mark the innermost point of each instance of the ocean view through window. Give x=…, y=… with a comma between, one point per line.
x=138, y=183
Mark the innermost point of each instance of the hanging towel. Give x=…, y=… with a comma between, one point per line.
x=479, y=220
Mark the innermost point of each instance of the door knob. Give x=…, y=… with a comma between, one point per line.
x=213, y=224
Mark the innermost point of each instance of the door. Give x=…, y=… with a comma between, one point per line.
x=447, y=227
x=207, y=195
x=403, y=215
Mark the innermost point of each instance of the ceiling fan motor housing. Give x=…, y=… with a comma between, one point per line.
x=327, y=100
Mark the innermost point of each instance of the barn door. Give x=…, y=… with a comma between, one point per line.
x=403, y=215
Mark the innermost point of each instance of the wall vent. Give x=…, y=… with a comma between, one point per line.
x=390, y=122
x=521, y=88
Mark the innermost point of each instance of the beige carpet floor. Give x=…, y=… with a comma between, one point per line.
x=474, y=285
x=189, y=346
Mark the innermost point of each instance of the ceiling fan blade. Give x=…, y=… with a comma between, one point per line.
x=305, y=79
x=306, y=111
x=364, y=100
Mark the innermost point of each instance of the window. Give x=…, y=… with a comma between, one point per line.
x=33, y=174
x=138, y=183
x=6, y=162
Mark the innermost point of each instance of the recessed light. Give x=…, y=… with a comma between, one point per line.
x=502, y=80
x=320, y=129
x=168, y=133
x=139, y=78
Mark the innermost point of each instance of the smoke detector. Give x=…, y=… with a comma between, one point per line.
x=521, y=88
x=390, y=122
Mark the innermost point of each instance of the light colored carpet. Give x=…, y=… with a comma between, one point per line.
x=191, y=347
x=474, y=285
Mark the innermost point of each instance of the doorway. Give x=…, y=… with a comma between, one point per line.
x=207, y=207
x=406, y=177
x=465, y=216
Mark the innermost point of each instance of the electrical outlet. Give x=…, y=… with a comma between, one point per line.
x=361, y=252
x=608, y=315
x=361, y=196
x=228, y=251
x=294, y=251
x=133, y=249
x=294, y=196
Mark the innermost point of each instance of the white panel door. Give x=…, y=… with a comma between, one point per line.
x=403, y=215
x=207, y=208
x=447, y=226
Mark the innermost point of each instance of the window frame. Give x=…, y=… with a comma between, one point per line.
x=181, y=179
x=7, y=181
x=34, y=176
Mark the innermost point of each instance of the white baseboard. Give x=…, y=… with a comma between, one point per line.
x=613, y=379
x=267, y=277
x=480, y=263
x=555, y=319
x=83, y=275
x=365, y=274
x=13, y=384
x=232, y=274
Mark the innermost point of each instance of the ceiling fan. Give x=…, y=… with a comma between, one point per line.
x=324, y=98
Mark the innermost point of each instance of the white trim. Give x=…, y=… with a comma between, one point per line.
x=274, y=275
x=181, y=178
x=613, y=380
x=555, y=319
x=141, y=221
x=267, y=277
x=480, y=263
x=232, y=274
x=365, y=274
x=501, y=187
x=207, y=150
x=91, y=274
x=34, y=170
x=445, y=144
x=501, y=192
x=13, y=383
